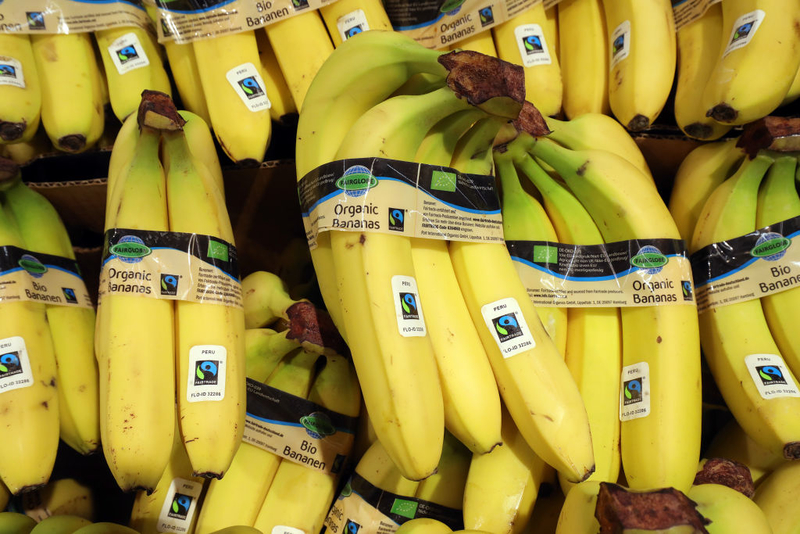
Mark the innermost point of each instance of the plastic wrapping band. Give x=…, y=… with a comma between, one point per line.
x=688, y=11
x=30, y=276
x=71, y=16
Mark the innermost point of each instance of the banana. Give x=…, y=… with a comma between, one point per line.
x=502, y=485
x=446, y=486
x=794, y=91
x=729, y=511
x=104, y=528
x=14, y=523
x=758, y=63
x=701, y=171
x=377, y=468
x=524, y=219
x=482, y=42
x=299, y=497
x=185, y=72
x=583, y=49
x=201, y=145
x=211, y=429
x=72, y=329
x=23, y=152
x=777, y=498
x=346, y=18
x=301, y=45
x=641, y=40
x=238, y=529
x=5, y=496
x=625, y=206
x=264, y=349
x=20, y=92
x=132, y=64
x=60, y=524
x=778, y=201
x=732, y=443
x=699, y=44
x=136, y=422
x=29, y=396
x=237, y=498
x=173, y=504
x=528, y=39
x=277, y=90
x=68, y=73
x=731, y=333
x=423, y=525
x=65, y=496
x=593, y=347
x=265, y=298
x=235, y=95
x=577, y=514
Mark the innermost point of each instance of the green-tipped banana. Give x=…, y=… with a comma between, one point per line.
x=60, y=524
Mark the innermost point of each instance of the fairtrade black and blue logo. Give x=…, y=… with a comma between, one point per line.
x=206, y=373
x=532, y=44
x=35, y=20
x=165, y=28
x=299, y=4
x=351, y=527
x=742, y=32
x=180, y=506
x=618, y=46
x=687, y=290
x=250, y=87
x=10, y=364
x=7, y=71
x=770, y=375
x=126, y=54
x=397, y=219
x=408, y=304
x=69, y=295
x=632, y=391
x=169, y=284
x=486, y=15
x=353, y=30
x=507, y=327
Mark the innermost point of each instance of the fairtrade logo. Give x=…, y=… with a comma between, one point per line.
x=69, y=294
x=169, y=285
x=165, y=28
x=742, y=32
x=451, y=7
x=356, y=181
x=486, y=16
x=180, y=506
x=318, y=425
x=618, y=46
x=354, y=30
x=35, y=20
x=397, y=219
x=7, y=71
x=687, y=289
x=650, y=259
x=532, y=44
x=33, y=266
x=351, y=527
x=770, y=375
x=771, y=246
x=250, y=87
x=205, y=373
x=408, y=302
x=507, y=327
x=127, y=53
x=130, y=249
x=632, y=389
x=299, y=4
x=10, y=364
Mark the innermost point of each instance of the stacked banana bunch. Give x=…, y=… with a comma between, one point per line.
x=50, y=375
x=65, y=82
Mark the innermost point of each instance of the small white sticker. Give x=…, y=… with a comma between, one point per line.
x=11, y=72
x=532, y=45
x=634, y=394
x=351, y=24
x=620, y=43
x=15, y=368
x=743, y=30
x=179, y=505
x=280, y=529
x=771, y=376
x=505, y=321
x=206, y=380
x=128, y=54
x=248, y=84
x=410, y=321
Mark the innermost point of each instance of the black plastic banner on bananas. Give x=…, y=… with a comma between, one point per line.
x=651, y=272
x=184, y=21
x=70, y=16
x=366, y=509
x=31, y=276
x=297, y=429
x=170, y=265
x=400, y=198
x=749, y=267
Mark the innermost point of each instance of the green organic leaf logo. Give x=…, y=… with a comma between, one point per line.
x=771, y=247
x=217, y=250
x=404, y=508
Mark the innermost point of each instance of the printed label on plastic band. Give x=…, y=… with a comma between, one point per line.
x=352, y=24
x=15, y=367
x=743, y=31
x=206, y=380
x=362, y=508
x=248, y=84
x=532, y=45
x=652, y=272
x=446, y=22
x=185, y=21
x=505, y=321
x=32, y=505
x=170, y=265
x=297, y=429
x=11, y=72
x=688, y=11
x=71, y=16
x=179, y=506
x=127, y=53
x=749, y=267
x=620, y=45
x=281, y=529
x=634, y=394
x=400, y=198
x=410, y=321
x=771, y=376
x=36, y=277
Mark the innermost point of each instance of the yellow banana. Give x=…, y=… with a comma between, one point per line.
x=446, y=486
x=183, y=65
x=60, y=524
x=14, y=523
x=732, y=443
x=423, y=525
x=65, y=496
x=777, y=498
x=577, y=514
x=277, y=90
x=20, y=90
x=482, y=42
x=728, y=510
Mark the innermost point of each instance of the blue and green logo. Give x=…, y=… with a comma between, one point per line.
x=250, y=87
x=356, y=181
x=649, y=259
x=130, y=249
x=507, y=327
x=451, y=7
x=318, y=425
x=408, y=304
x=206, y=373
x=770, y=375
x=532, y=44
x=486, y=15
x=397, y=219
x=771, y=246
x=127, y=53
x=180, y=506
x=32, y=266
x=7, y=71
x=742, y=32
x=632, y=390
x=10, y=364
